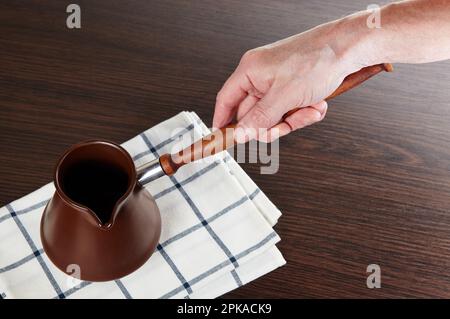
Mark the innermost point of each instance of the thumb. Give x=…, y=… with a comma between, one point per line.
x=266, y=113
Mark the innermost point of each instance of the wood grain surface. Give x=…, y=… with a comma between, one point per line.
x=370, y=184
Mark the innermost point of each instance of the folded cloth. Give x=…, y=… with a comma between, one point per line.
x=216, y=230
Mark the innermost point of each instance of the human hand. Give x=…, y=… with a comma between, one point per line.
x=297, y=72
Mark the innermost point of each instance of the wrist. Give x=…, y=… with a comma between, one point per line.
x=355, y=43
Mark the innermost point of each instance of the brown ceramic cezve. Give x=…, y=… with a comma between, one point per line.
x=102, y=220
x=107, y=238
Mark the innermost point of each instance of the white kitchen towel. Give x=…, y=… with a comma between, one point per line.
x=216, y=230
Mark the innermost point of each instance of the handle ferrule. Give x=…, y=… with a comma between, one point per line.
x=149, y=172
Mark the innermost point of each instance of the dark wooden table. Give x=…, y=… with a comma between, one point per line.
x=370, y=184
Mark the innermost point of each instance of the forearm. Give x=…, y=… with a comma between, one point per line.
x=410, y=32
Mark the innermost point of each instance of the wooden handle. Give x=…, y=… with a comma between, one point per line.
x=216, y=142
x=353, y=80
x=223, y=138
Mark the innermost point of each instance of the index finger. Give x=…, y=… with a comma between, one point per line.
x=232, y=93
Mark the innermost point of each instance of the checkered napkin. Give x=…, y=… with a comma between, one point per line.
x=216, y=230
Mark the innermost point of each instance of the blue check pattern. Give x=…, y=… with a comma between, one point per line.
x=204, y=222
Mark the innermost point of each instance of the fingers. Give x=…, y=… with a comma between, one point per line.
x=266, y=112
x=245, y=106
x=300, y=119
x=232, y=93
x=307, y=116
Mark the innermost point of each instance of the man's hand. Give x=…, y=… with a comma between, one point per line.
x=301, y=71
x=297, y=72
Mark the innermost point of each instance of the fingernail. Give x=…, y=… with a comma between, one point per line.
x=322, y=107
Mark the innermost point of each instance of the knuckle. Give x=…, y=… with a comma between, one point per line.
x=294, y=125
x=249, y=54
x=219, y=98
x=251, y=57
